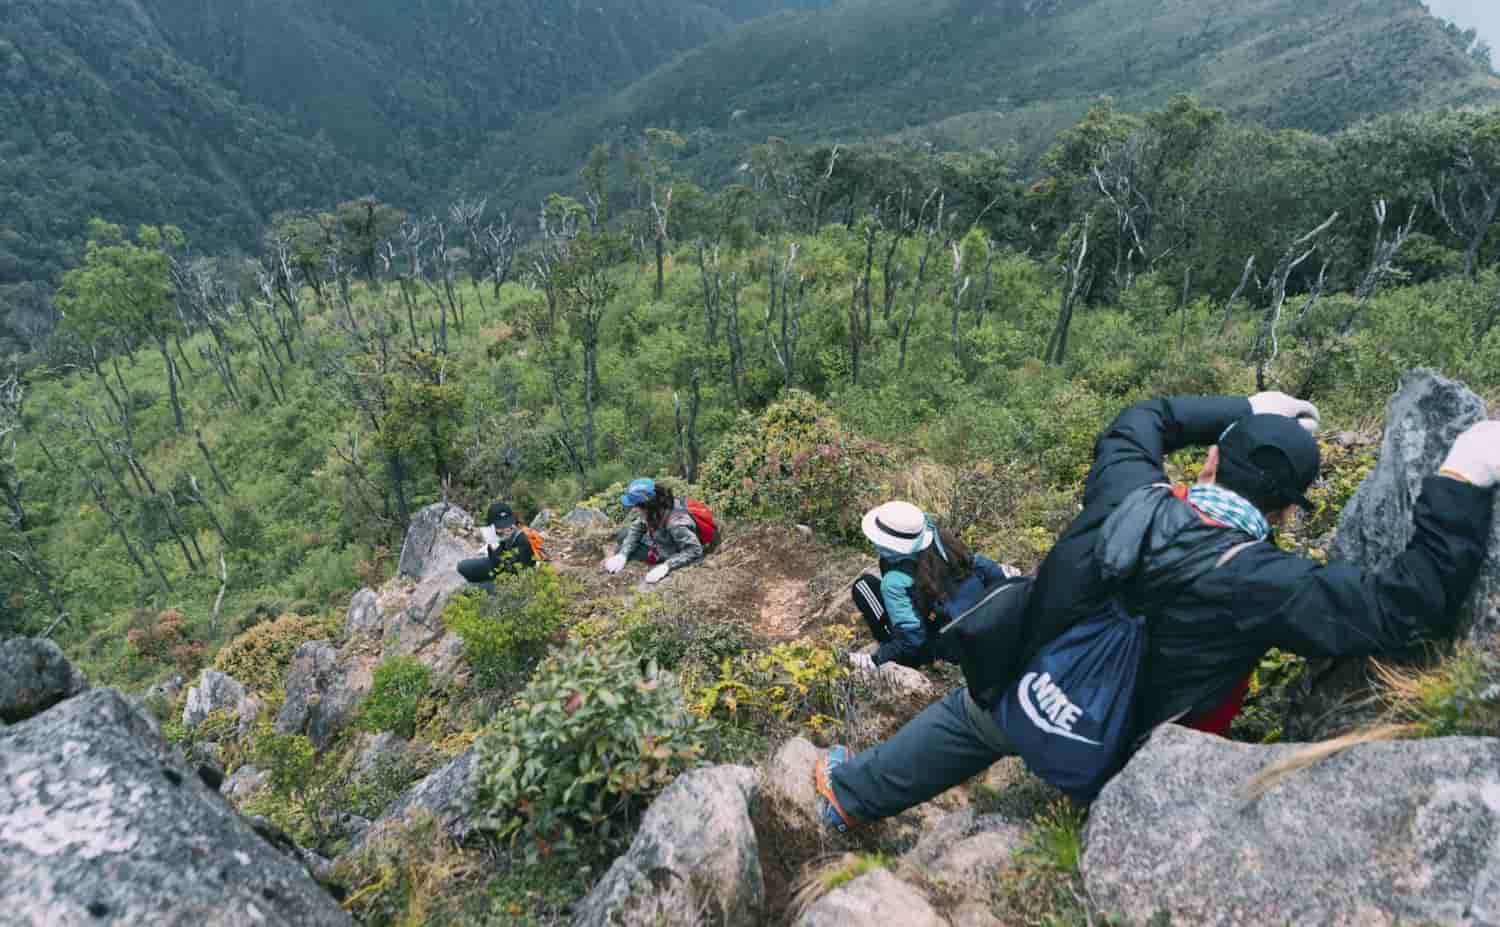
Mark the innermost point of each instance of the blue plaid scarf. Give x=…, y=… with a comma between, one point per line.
x=1231, y=508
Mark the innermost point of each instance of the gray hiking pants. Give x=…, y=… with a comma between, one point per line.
x=950, y=742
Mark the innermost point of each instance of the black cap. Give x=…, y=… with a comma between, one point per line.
x=1272, y=453
x=501, y=516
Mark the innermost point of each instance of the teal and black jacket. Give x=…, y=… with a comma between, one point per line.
x=915, y=619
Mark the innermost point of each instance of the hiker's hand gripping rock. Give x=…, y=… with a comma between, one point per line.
x=615, y=564
x=1274, y=403
x=862, y=661
x=1475, y=456
x=657, y=574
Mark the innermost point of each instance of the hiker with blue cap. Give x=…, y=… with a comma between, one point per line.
x=666, y=532
x=927, y=578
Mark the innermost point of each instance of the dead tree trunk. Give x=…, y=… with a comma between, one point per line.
x=1267, y=345
x=1076, y=281
x=1234, y=297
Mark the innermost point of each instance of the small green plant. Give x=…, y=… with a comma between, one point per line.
x=1057, y=840
x=302, y=788
x=841, y=871
x=797, y=684
x=1458, y=695
x=587, y=742
x=395, y=694
x=505, y=633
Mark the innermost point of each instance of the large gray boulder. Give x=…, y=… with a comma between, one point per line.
x=1422, y=420
x=584, y=518
x=1399, y=832
x=436, y=540
x=323, y=690
x=34, y=676
x=215, y=691
x=364, y=620
x=101, y=822
x=874, y=898
x=695, y=860
x=448, y=795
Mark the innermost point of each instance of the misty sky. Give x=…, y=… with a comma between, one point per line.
x=1483, y=15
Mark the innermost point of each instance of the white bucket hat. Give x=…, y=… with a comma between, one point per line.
x=897, y=526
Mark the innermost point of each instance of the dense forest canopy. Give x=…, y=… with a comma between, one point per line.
x=216, y=116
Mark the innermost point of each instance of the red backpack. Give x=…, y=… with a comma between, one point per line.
x=703, y=518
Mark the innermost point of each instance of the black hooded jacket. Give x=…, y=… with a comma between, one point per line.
x=1210, y=623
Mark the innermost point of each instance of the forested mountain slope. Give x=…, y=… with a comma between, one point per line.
x=964, y=73
x=213, y=114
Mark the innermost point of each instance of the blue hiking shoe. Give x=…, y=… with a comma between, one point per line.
x=833, y=816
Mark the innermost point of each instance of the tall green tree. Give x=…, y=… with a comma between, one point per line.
x=122, y=294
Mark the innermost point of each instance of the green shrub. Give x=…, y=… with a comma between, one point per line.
x=796, y=462
x=588, y=741
x=397, y=690
x=505, y=633
x=795, y=686
x=259, y=657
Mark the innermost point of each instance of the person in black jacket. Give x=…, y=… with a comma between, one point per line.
x=507, y=548
x=1216, y=594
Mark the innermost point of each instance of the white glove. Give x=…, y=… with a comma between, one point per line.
x=1273, y=403
x=615, y=564
x=491, y=537
x=1475, y=456
x=657, y=574
x=862, y=661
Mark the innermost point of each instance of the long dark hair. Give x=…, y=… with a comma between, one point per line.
x=934, y=573
x=659, y=507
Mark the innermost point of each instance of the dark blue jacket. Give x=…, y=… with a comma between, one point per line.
x=1209, y=624
x=915, y=620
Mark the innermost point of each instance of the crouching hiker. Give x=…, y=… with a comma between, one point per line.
x=927, y=578
x=667, y=533
x=509, y=547
x=1185, y=587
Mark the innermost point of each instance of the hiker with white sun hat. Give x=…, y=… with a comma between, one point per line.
x=927, y=576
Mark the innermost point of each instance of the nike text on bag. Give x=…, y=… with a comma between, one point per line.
x=986, y=639
x=703, y=519
x=1071, y=712
x=866, y=595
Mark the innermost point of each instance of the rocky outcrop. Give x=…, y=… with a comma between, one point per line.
x=1401, y=832
x=243, y=784
x=364, y=620
x=967, y=849
x=435, y=541
x=322, y=692
x=874, y=898
x=584, y=518
x=694, y=860
x=215, y=691
x=101, y=822
x=34, y=676
x=448, y=794
x=1422, y=420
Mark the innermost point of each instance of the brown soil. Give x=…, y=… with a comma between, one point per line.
x=777, y=581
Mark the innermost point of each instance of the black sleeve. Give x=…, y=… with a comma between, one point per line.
x=1130, y=453
x=513, y=554
x=1340, y=610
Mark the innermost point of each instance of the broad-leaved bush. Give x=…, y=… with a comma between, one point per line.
x=796, y=462
x=590, y=740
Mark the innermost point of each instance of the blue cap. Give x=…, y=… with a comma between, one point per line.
x=639, y=492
